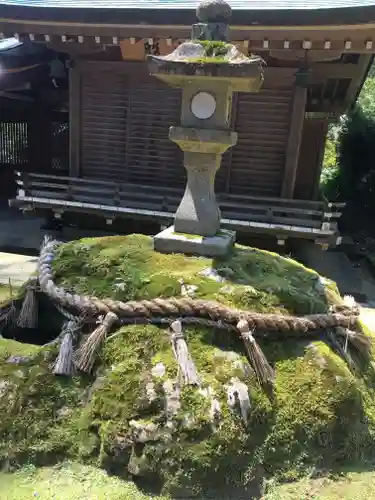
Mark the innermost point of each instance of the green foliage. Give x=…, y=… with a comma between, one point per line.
x=214, y=48
x=366, y=99
x=330, y=170
x=348, y=170
x=320, y=414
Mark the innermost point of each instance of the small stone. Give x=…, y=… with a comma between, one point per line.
x=212, y=274
x=170, y=425
x=188, y=421
x=63, y=412
x=150, y=391
x=187, y=290
x=227, y=290
x=138, y=464
x=144, y=432
x=172, y=398
x=215, y=410
x=4, y=384
x=122, y=443
x=18, y=360
x=238, y=394
x=158, y=370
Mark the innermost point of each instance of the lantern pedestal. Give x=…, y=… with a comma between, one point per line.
x=170, y=241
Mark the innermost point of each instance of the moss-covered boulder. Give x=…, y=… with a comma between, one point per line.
x=133, y=417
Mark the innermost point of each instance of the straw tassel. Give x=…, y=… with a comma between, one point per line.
x=264, y=372
x=85, y=356
x=180, y=350
x=28, y=317
x=64, y=362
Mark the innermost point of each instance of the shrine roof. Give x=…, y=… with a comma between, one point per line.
x=245, y=12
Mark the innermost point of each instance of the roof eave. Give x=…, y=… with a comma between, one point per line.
x=165, y=15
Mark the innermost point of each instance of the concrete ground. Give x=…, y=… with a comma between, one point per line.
x=19, y=234
x=352, y=278
x=16, y=268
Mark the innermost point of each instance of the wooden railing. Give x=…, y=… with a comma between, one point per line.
x=280, y=216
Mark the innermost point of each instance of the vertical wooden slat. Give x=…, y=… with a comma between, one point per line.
x=127, y=137
x=74, y=121
x=294, y=140
x=104, y=122
x=258, y=158
x=230, y=152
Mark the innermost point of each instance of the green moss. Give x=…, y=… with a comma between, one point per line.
x=189, y=236
x=215, y=52
x=12, y=348
x=320, y=415
x=214, y=48
x=127, y=268
x=208, y=60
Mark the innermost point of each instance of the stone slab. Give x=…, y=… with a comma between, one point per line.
x=168, y=241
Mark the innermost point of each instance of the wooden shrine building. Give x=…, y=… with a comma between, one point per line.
x=120, y=162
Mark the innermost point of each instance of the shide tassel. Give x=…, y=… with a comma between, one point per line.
x=64, y=362
x=28, y=317
x=261, y=367
x=341, y=350
x=359, y=342
x=180, y=350
x=85, y=356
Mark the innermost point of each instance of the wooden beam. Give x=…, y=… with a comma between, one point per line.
x=294, y=141
x=74, y=122
x=322, y=71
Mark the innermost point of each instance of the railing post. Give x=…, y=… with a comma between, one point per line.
x=27, y=185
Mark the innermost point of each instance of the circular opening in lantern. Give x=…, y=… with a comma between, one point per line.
x=203, y=105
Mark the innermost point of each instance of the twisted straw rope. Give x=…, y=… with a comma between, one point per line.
x=194, y=309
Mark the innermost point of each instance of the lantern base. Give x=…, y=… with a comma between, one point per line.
x=168, y=241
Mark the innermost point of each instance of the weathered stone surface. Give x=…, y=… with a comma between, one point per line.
x=210, y=31
x=198, y=140
x=198, y=212
x=19, y=360
x=168, y=241
x=211, y=11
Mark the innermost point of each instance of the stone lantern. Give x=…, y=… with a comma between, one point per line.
x=208, y=69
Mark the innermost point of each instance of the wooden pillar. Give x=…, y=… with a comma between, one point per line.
x=74, y=122
x=294, y=140
x=310, y=158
